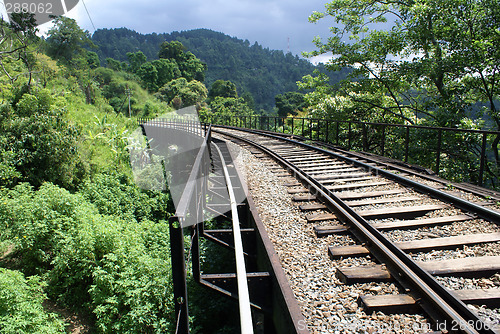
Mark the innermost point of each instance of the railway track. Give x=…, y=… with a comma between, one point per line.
x=405, y=243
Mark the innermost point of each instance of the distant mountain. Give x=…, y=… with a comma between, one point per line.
x=262, y=72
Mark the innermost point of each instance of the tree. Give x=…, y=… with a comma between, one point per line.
x=290, y=103
x=42, y=143
x=229, y=106
x=149, y=75
x=421, y=66
x=136, y=60
x=434, y=64
x=222, y=88
x=18, y=41
x=168, y=70
x=262, y=72
x=183, y=93
x=93, y=60
x=172, y=50
x=66, y=39
x=113, y=64
x=191, y=67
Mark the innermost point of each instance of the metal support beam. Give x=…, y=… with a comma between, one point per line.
x=179, y=276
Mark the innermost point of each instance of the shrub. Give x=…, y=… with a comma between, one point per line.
x=38, y=220
x=113, y=266
x=114, y=194
x=43, y=143
x=21, y=309
x=132, y=291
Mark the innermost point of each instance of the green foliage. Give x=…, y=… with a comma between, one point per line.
x=97, y=249
x=37, y=137
x=173, y=50
x=18, y=42
x=442, y=45
x=66, y=39
x=229, y=106
x=136, y=60
x=132, y=288
x=181, y=93
x=168, y=70
x=222, y=88
x=115, y=195
x=113, y=64
x=113, y=266
x=21, y=310
x=436, y=65
x=157, y=73
x=114, y=85
x=37, y=222
x=93, y=60
x=190, y=67
x=47, y=69
x=149, y=75
x=290, y=103
x=261, y=72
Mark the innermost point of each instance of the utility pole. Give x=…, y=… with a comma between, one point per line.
x=129, y=93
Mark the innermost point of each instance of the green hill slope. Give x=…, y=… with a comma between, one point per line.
x=260, y=71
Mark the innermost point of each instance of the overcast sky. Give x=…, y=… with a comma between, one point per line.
x=269, y=22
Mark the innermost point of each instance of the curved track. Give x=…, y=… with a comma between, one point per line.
x=347, y=195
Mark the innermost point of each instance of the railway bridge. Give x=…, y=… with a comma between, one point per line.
x=327, y=239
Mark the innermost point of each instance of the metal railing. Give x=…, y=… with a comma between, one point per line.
x=176, y=123
x=457, y=154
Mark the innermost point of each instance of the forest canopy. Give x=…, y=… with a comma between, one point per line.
x=259, y=71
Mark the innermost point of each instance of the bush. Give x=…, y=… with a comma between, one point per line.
x=21, y=309
x=113, y=266
x=114, y=194
x=36, y=134
x=132, y=291
x=37, y=221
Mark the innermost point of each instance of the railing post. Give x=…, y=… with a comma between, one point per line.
x=349, y=135
x=293, y=121
x=179, y=275
x=310, y=129
x=337, y=134
x=326, y=132
x=483, y=159
x=438, y=151
x=275, y=126
x=303, y=121
x=365, y=138
x=319, y=127
x=407, y=143
x=382, y=145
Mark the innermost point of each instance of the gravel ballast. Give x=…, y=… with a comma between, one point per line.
x=328, y=305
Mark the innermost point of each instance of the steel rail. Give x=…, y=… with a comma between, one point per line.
x=241, y=273
x=481, y=211
x=433, y=178
x=441, y=304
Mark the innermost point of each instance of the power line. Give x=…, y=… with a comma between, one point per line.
x=84, y=5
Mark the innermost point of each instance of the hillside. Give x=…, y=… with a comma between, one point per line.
x=260, y=71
